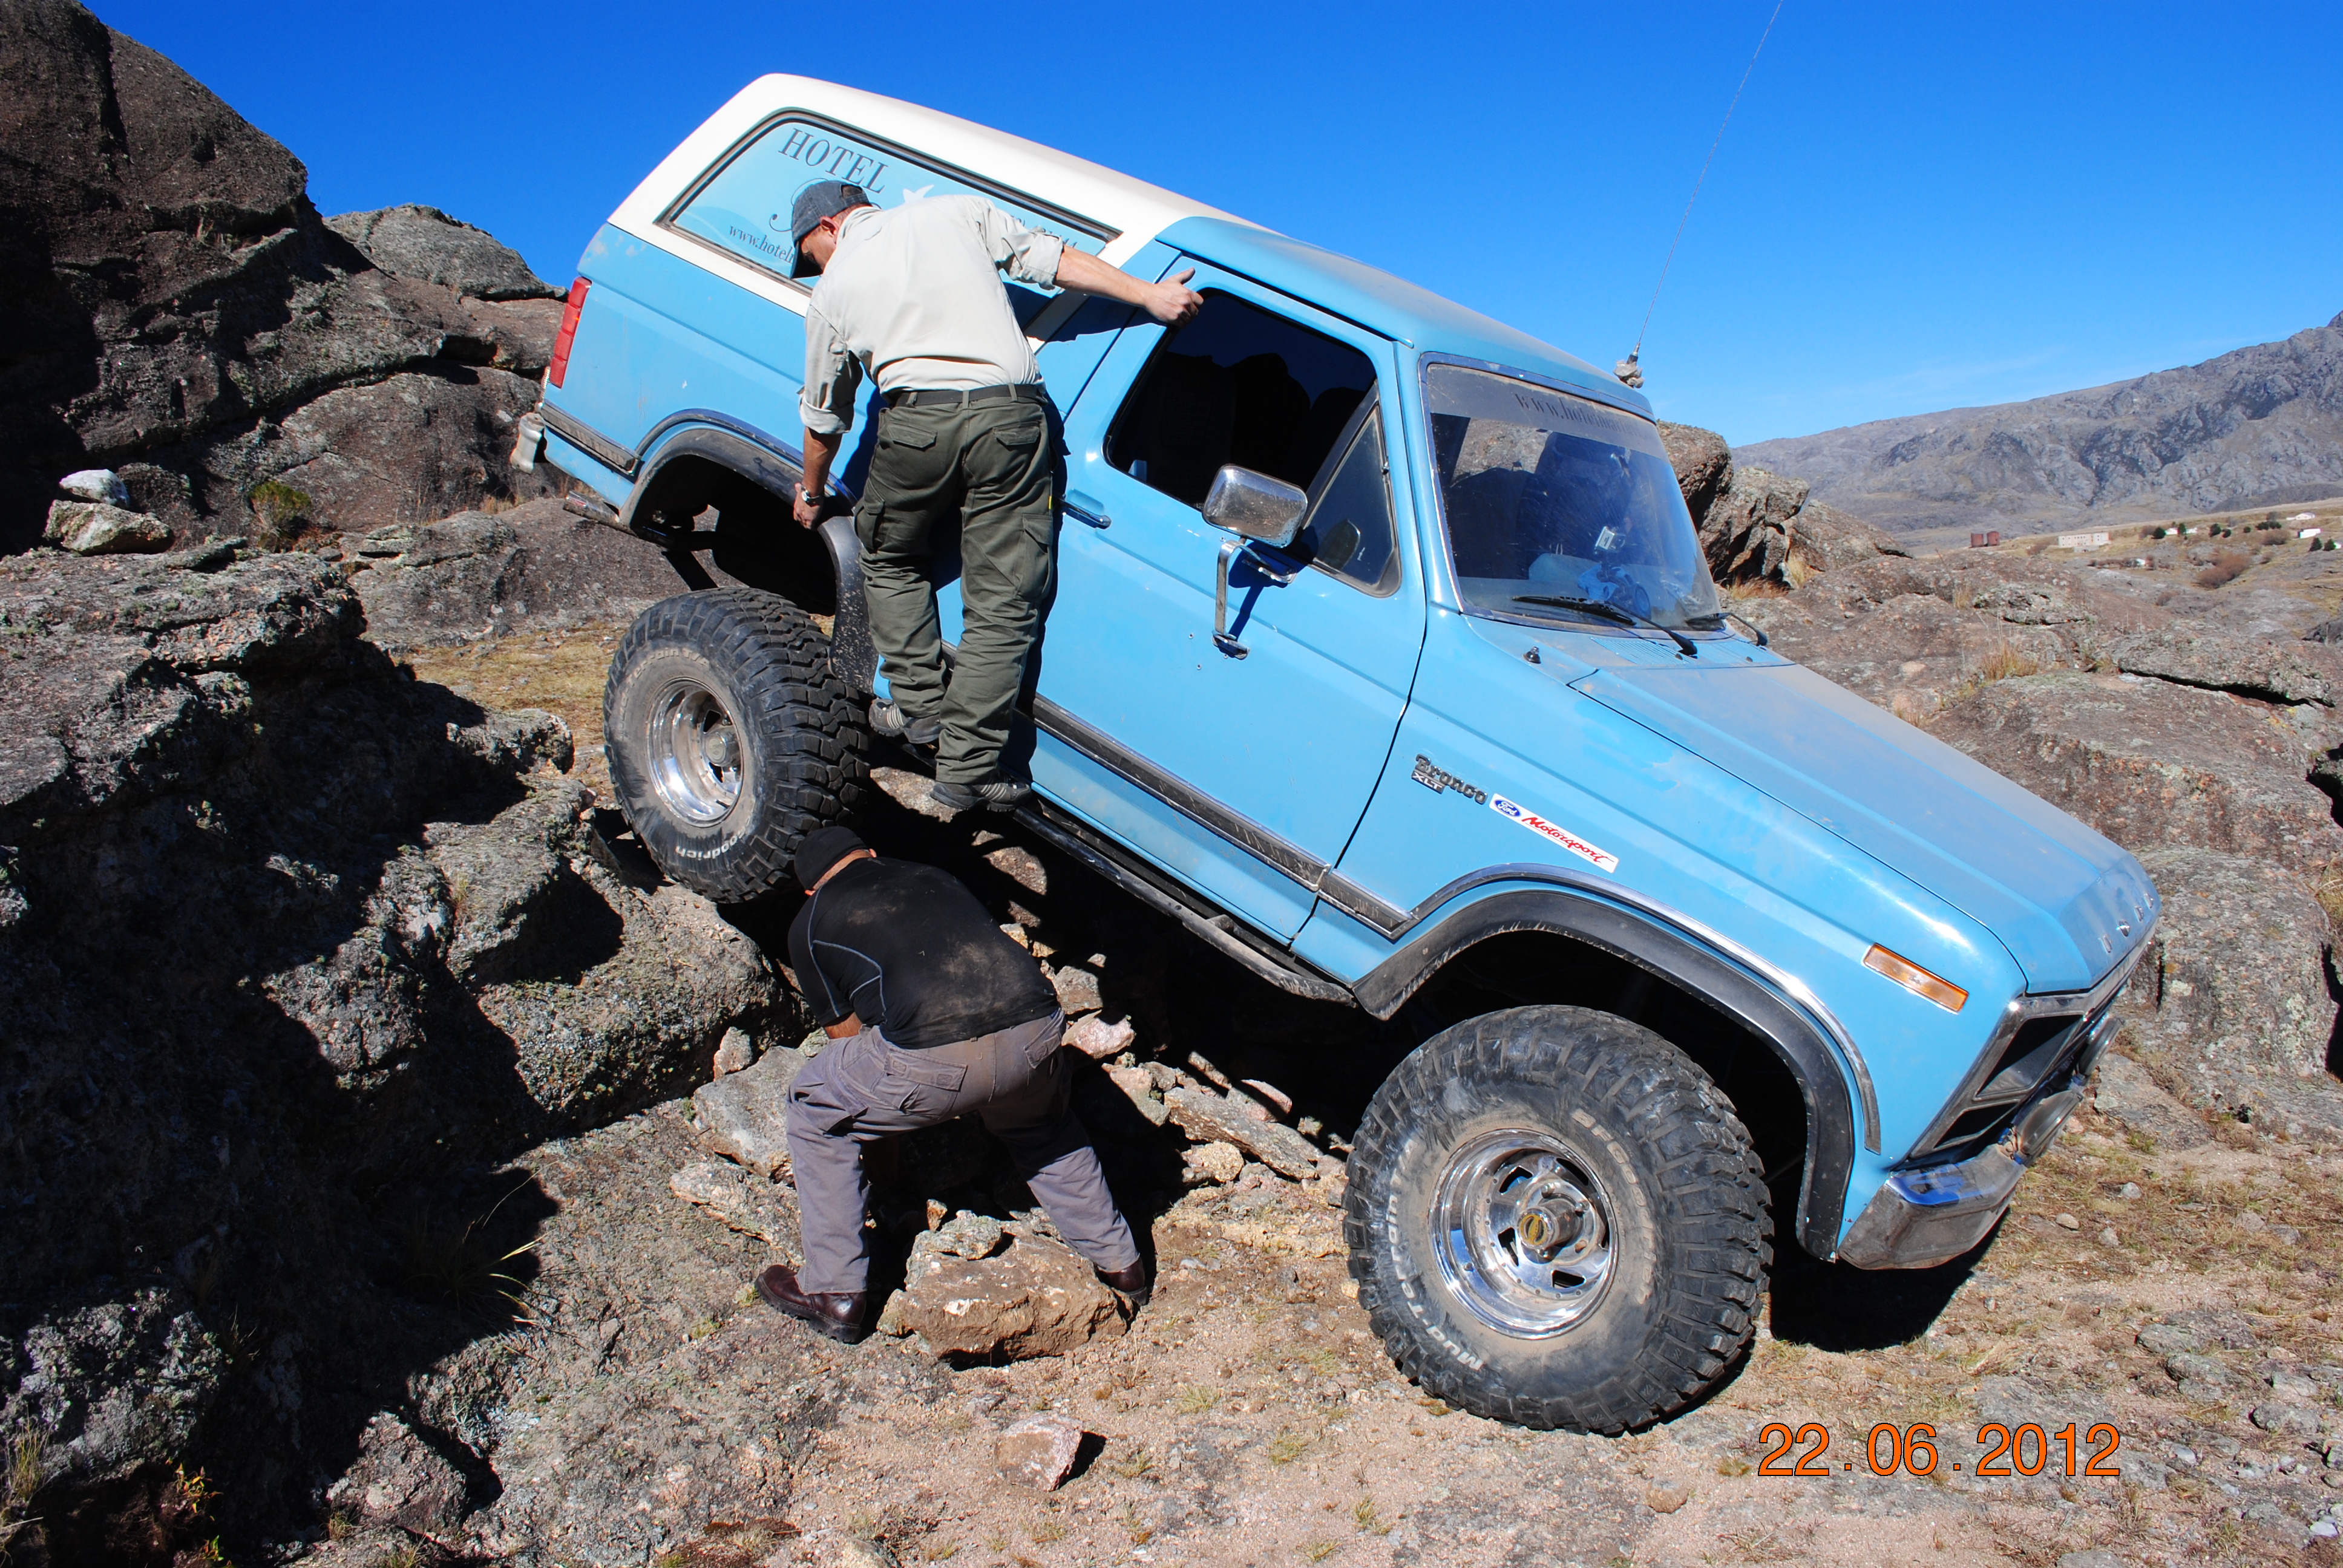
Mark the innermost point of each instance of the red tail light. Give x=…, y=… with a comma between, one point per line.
x=567, y=335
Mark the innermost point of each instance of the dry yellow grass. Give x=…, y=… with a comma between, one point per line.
x=559, y=671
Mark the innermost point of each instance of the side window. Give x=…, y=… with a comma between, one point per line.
x=741, y=206
x=1348, y=531
x=1238, y=384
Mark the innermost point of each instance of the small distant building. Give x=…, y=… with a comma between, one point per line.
x=2307, y=534
x=2303, y=518
x=1979, y=541
x=2082, y=541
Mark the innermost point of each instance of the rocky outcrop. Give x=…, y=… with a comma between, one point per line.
x=2152, y=763
x=2232, y=1002
x=533, y=567
x=2208, y=753
x=296, y=951
x=177, y=310
x=2260, y=426
x=1758, y=525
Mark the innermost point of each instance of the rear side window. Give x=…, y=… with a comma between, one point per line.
x=741, y=206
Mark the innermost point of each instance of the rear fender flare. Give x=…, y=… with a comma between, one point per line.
x=775, y=467
x=1679, y=958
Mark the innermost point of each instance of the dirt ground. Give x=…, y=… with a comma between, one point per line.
x=1249, y=1417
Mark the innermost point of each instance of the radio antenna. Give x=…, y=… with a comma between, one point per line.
x=1629, y=371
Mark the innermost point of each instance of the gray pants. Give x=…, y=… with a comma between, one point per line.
x=991, y=466
x=1016, y=1082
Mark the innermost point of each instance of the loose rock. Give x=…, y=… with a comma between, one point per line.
x=1099, y=1040
x=735, y=1051
x=96, y=528
x=2285, y=1419
x=754, y=1207
x=1207, y=1116
x=1215, y=1161
x=743, y=1115
x=1038, y=1451
x=1037, y=1298
x=1078, y=990
x=97, y=485
x=1137, y=1086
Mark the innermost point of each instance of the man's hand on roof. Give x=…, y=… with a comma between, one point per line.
x=1172, y=301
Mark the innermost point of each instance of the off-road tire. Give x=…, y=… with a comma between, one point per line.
x=802, y=739
x=1685, y=1195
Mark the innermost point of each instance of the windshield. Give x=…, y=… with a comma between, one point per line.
x=1554, y=497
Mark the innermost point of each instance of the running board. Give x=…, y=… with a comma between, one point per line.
x=1207, y=927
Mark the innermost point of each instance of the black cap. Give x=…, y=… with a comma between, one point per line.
x=822, y=848
x=821, y=199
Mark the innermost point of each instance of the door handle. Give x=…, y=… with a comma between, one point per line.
x=1082, y=509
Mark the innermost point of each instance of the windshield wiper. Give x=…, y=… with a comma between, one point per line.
x=1611, y=612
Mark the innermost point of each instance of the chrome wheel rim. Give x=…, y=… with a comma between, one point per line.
x=695, y=752
x=1522, y=1231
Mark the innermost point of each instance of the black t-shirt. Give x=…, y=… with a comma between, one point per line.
x=911, y=952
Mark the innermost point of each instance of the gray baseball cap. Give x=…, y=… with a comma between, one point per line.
x=821, y=199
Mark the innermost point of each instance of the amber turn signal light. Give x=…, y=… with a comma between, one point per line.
x=1913, y=978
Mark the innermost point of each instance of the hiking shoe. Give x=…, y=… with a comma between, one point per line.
x=993, y=795
x=888, y=719
x=1131, y=1283
x=837, y=1314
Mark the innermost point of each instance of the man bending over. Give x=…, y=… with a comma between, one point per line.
x=936, y=1014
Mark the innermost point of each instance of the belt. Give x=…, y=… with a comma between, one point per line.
x=1023, y=392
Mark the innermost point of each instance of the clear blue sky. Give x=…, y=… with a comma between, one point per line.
x=1916, y=207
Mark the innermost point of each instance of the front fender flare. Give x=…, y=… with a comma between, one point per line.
x=1677, y=956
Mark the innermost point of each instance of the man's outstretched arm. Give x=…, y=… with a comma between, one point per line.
x=1170, y=302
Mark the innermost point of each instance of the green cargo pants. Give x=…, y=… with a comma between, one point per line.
x=992, y=464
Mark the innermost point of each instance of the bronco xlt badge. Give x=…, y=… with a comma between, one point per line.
x=1437, y=778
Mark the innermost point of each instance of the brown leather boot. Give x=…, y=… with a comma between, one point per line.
x=837, y=1314
x=1131, y=1283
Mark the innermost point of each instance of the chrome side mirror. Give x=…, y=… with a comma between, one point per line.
x=1255, y=506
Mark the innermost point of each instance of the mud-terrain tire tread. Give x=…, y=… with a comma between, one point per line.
x=814, y=731
x=1711, y=1200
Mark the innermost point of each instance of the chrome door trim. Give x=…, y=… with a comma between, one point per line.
x=588, y=440
x=1259, y=842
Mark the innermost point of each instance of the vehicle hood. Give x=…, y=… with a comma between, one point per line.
x=2069, y=904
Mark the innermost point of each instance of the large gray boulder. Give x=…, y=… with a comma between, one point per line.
x=426, y=244
x=2232, y=1004
x=172, y=304
x=532, y=567
x=109, y=1385
x=296, y=951
x=2150, y=764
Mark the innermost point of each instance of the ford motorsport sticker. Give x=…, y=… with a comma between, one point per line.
x=1568, y=840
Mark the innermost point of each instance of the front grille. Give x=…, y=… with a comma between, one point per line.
x=2041, y=1051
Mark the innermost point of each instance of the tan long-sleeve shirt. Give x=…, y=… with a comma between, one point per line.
x=913, y=297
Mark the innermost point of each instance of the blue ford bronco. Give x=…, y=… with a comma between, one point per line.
x=1385, y=660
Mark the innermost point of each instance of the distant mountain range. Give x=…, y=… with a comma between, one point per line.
x=2258, y=426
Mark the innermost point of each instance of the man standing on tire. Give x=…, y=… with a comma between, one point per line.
x=935, y=1014
x=913, y=296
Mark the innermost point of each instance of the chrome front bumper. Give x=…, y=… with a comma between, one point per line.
x=1919, y=1219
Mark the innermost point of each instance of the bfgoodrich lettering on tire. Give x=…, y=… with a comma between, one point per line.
x=729, y=737
x=1556, y=1219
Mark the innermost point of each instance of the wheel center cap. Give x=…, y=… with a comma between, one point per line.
x=1535, y=1230
x=717, y=746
